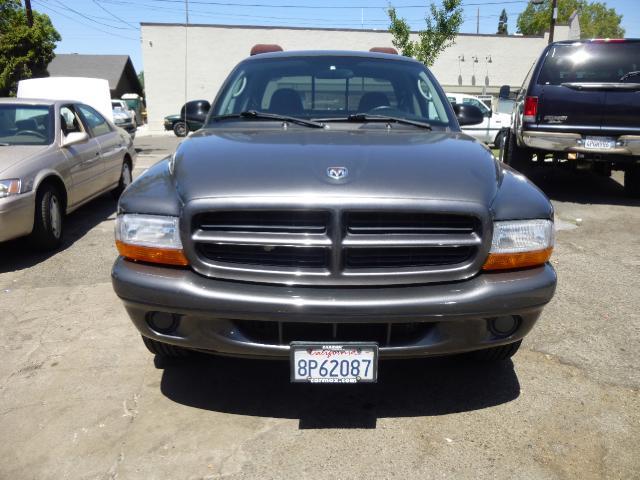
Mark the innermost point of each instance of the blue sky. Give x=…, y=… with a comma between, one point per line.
x=112, y=26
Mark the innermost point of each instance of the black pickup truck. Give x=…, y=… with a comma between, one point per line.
x=331, y=211
x=580, y=103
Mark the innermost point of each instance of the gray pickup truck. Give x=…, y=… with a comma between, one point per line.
x=332, y=213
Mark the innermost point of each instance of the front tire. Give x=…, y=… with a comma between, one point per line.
x=632, y=181
x=125, y=180
x=517, y=157
x=180, y=129
x=164, y=350
x=497, y=354
x=48, y=220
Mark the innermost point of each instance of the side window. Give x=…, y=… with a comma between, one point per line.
x=95, y=121
x=476, y=103
x=69, y=120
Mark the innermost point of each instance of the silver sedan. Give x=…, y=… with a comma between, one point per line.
x=55, y=156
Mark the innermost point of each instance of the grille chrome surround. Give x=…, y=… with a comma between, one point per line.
x=336, y=242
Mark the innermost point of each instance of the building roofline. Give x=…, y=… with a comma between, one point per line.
x=282, y=27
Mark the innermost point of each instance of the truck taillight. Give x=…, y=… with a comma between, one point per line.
x=530, y=109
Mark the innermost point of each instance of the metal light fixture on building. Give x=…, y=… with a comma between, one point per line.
x=488, y=59
x=461, y=58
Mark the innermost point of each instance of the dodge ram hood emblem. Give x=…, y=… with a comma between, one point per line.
x=337, y=173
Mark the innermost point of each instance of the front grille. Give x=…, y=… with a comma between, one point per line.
x=340, y=245
x=283, y=333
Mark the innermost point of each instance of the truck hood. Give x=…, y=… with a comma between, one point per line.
x=14, y=154
x=381, y=163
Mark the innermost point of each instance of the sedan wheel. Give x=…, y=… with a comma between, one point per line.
x=125, y=180
x=180, y=129
x=48, y=220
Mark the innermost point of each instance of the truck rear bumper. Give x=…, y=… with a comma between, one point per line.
x=626, y=145
x=254, y=320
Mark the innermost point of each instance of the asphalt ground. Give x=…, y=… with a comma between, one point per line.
x=81, y=398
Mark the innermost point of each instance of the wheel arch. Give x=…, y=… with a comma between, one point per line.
x=54, y=179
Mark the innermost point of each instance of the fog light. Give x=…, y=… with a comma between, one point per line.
x=163, y=322
x=504, y=326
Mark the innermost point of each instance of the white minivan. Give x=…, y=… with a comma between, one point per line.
x=491, y=129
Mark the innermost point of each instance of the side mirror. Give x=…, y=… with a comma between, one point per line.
x=468, y=114
x=74, y=138
x=489, y=114
x=505, y=92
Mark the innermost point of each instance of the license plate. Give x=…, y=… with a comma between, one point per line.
x=334, y=362
x=600, y=143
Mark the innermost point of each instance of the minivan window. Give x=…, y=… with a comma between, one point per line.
x=334, y=86
x=589, y=63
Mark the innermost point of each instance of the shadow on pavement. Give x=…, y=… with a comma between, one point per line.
x=405, y=388
x=18, y=254
x=580, y=187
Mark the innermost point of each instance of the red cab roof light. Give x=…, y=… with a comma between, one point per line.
x=265, y=48
x=388, y=50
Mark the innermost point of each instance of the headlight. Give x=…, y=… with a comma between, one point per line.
x=150, y=238
x=519, y=244
x=9, y=187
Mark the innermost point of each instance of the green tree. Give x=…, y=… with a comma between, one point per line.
x=24, y=52
x=596, y=20
x=442, y=27
x=503, y=27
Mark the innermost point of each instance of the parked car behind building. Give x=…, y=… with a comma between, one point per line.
x=55, y=156
x=191, y=118
x=123, y=117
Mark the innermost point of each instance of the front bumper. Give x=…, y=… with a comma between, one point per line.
x=16, y=216
x=214, y=315
x=626, y=145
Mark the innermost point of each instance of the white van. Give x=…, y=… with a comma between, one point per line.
x=489, y=131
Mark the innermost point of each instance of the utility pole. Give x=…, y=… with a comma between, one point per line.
x=478, y=21
x=27, y=7
x=554, y=18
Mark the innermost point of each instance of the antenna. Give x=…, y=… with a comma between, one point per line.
x=186, y=50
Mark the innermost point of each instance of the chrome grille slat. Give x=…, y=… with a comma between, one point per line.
x=409, y=240
x=262, y=238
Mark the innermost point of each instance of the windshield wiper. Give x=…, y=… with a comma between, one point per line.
x=634, y=73
x=2, y=144
x=250, y=114
x=366, y=117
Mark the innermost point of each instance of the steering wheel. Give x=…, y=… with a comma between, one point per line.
x=386, y=110
x=30, y=132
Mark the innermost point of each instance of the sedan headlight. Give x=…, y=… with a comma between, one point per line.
x=520, y=243
x=9, y=187
x=150, y=238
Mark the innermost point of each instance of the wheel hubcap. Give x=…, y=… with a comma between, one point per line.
x=56, y=217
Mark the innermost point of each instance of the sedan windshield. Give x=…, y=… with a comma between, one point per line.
x=334, y=88
x=25, y=125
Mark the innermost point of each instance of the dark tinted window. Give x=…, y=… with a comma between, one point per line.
x=590, y=62
x=334, y=86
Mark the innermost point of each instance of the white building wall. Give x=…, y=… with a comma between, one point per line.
x=474, y=64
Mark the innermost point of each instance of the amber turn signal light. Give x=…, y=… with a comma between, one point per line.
x=510, y=261
x=164, y=256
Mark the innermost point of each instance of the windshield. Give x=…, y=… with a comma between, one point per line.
x=330, y=87
x=590, y=63
x=25, y=125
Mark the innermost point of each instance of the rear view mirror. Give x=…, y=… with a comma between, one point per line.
x=73, y=138
x=468, y=114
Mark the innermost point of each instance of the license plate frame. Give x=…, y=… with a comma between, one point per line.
x=599, y=143
x=340, y=349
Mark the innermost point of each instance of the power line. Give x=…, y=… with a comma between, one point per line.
x=50, y=8
x=89, y=18
x=114, y=15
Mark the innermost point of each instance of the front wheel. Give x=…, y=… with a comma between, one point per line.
x=632, y=181
x=48, y=220
x=180, y=129
x=125, y=180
